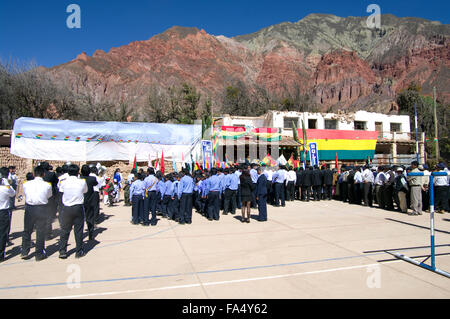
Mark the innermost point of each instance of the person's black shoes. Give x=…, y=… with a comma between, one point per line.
x=63, y=255
x=248, y=220
x=41, y=257
x=24, y=256
x=80, y=254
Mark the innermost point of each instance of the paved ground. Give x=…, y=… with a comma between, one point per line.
x=305, y=250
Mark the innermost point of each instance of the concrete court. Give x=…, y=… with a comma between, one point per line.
x=305, y=250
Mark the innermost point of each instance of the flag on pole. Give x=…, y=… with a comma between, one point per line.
x=135, y=162
x=227, y=164
x=336, y=163
x=291, y=161
x=304, y=143
x=162, y=162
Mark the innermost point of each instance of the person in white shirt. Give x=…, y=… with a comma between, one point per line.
x=440, y=184
x=37, y=193
x=380, y=179
x=14, y=184
x=6, y=192
x=126, y=189
x=367, y=179
x=73, y=190
x=291, y=178
x=268, y=172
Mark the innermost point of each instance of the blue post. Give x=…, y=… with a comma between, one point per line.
x=433, y=265
x=433, y=261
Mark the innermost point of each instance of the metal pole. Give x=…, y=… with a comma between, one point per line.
x=417, y=134
x=435, y=125
x=433, y=264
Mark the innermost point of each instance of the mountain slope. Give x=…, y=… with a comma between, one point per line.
x=338, y=61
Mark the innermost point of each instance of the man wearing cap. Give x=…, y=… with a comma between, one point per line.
x=401, y=190
x=416, y=185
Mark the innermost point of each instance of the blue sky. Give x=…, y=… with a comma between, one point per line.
x=37, y=31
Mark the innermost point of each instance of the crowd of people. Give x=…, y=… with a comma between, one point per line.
x=74, y=196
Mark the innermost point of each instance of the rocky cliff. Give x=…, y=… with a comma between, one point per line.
x=340, y=62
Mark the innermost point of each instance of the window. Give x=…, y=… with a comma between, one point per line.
x=396, y=127
x=360, y=125
x=288, y=122
x=379, y=126
x=312, y=123
x=331, y=124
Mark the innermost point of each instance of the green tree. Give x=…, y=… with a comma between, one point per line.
x=425, y=117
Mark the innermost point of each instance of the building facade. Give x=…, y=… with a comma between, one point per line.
x=396, y=144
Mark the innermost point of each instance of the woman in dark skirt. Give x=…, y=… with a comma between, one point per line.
x=247, y=188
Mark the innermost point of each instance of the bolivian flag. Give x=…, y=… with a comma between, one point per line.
x=348, y=145
x=232, y=132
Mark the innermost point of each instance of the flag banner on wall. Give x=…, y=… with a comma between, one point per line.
x=207, y=153
x=348, y=145
x=313, y=154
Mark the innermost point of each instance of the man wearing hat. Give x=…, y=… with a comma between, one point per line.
x=416, y=185
x=401, y=189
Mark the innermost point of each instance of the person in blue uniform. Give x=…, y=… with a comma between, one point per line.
x=214, y=189
x=175, y=203
x=261, y=195
x=151, y=197
x=278, y=178
x=161, y=189
x=185, y=189
x=137, y=194
x=166, y=194
x=254, y=176
x=231, y=184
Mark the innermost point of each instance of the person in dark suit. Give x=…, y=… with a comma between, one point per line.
x=247, y=188
x=327, y=181
x=89, y=199
x=298, y=183
x=317, y=182
x=51, y=178
x=261, y=195
x=307, y=183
